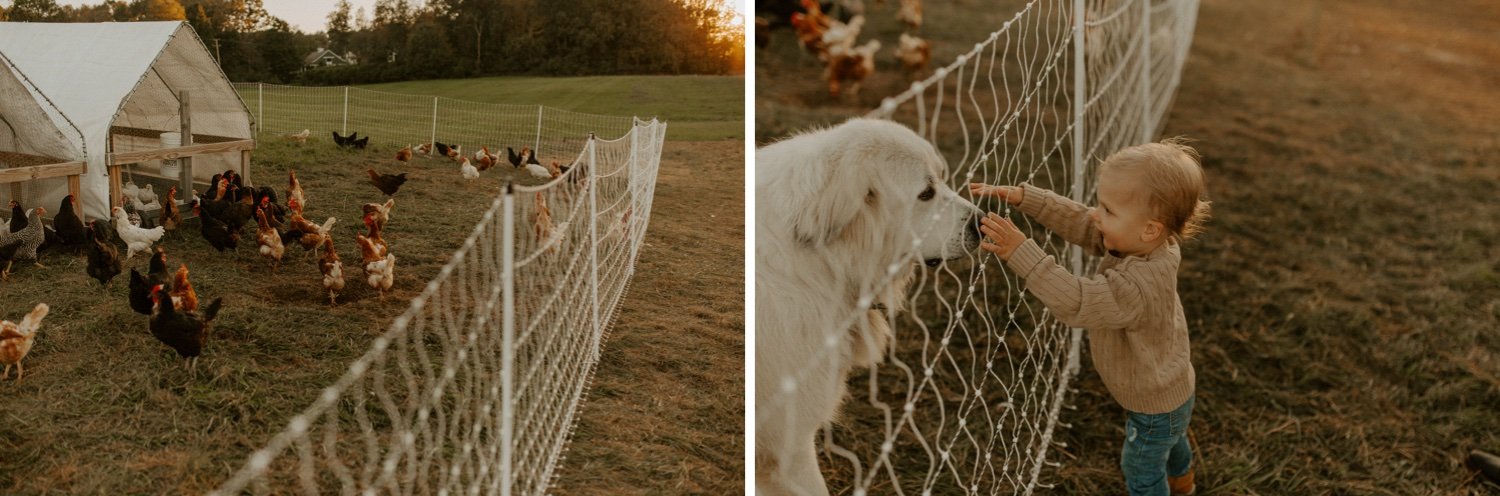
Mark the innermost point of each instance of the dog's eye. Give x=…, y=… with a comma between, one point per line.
x=927, y=194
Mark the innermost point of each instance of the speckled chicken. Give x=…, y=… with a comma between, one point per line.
x=24, y=242
x=16, y=339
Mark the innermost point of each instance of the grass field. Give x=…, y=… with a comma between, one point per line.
x=1344, y=303
x=699, y=108
x=105, y=409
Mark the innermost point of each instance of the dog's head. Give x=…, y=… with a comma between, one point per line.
x=877, y=188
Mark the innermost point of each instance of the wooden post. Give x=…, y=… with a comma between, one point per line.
x=245, y=167
x=185, y=176
x=74, y=187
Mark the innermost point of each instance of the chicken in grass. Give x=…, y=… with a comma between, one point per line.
x=184, y=331
x=216, y=231
x=810, y=27
x=442, y=149
x=69, y=227
x=269, y=239
x=375, y=237
x=404, y=154
x=16, y=339
x=343, y=141
x=183, y=296
x=294, y=199
x=171, y=213
x=455, y=151
x=843, y=35
x=850, y=65
x=468, y=169
x=910, y=13
x=387, y=183
x=136, y=239
x=424, y=149
x=23, y=244
x=311, y=235
x=103, y=257
x=914, y=53
x=380, y=271
x=140, y=285
x=299, y=138
x=542, y=224
x=554, y=170
x=333, y=271
x=378, y=214
x=483, y=160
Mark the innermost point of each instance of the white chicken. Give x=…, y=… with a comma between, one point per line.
x=843, y=35
x=146, y=195
x=537, y=170
x=135, y=238
x=131, y=191
x=470, y=172
x=381, y=274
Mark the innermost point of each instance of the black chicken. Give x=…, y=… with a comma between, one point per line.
x=360, y=143
x=104, y=258
x=140, y=293
x=185, y=332
x=216, y=231
x=515, y=160
x=341, y=141
x=442, y=149
x=68, y=225
x=156, y=271
x=387, y=183
x=17, y=216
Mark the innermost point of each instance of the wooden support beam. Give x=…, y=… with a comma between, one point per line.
x=185, y=174
x=185, y=151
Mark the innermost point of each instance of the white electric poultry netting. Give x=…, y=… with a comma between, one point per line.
x=969, y=395
x=395, y=120
x=476, y=387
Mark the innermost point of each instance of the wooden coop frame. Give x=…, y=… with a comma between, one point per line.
x=192, y=145
x=14, y=176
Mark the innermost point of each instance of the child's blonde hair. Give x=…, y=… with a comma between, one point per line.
x=1171, y=172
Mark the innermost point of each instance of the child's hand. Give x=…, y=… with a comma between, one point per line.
x=1010, y=194
x=1001, y=236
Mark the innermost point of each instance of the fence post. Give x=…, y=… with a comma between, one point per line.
x=536, y=147
x=508, y=339
x=593, y=186
x=1147, y=120
x=346, y=111
x=260, y=108
x=433, y=141
x=1080, y=95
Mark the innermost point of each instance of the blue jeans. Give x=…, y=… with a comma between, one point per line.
x=1156, y=445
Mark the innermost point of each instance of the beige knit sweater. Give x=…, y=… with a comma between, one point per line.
x=1137, y=333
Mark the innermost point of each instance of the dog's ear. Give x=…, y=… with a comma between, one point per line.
x=833, y=203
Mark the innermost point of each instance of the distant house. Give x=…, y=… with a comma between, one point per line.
x=325, y=58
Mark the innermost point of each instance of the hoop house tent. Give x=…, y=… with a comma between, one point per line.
x=35, y=153
x=147, y=98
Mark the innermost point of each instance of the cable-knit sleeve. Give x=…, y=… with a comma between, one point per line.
x=1068, y=218
x=1107, y=301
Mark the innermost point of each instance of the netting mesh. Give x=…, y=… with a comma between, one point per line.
x=475, y=388
x=397, y=120
x=30, y=137
x=970, y=392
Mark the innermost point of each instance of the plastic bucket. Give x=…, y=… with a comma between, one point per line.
x=171, y=168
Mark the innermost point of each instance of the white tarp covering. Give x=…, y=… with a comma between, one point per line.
x=27, y=123
x=124, y=74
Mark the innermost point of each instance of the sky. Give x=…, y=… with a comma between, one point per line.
x=311, y=16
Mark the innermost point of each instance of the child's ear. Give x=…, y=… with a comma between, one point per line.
x=1154, y=230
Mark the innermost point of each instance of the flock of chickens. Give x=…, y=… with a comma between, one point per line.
x=834, y=42
x=223, y=211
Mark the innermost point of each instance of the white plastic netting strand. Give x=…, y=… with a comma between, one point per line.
x=476, y=387
x=968, y=398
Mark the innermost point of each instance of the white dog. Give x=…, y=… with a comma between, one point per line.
x=840, y=212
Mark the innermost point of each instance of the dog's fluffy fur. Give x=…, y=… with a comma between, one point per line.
x=837, y=211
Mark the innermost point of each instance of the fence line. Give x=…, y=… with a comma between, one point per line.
x=399, y=119
x=476, y=387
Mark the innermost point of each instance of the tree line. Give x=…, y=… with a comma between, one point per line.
x=403, y=39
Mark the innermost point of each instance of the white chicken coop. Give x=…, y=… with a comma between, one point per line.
x=38, y=146
x=149, y=103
